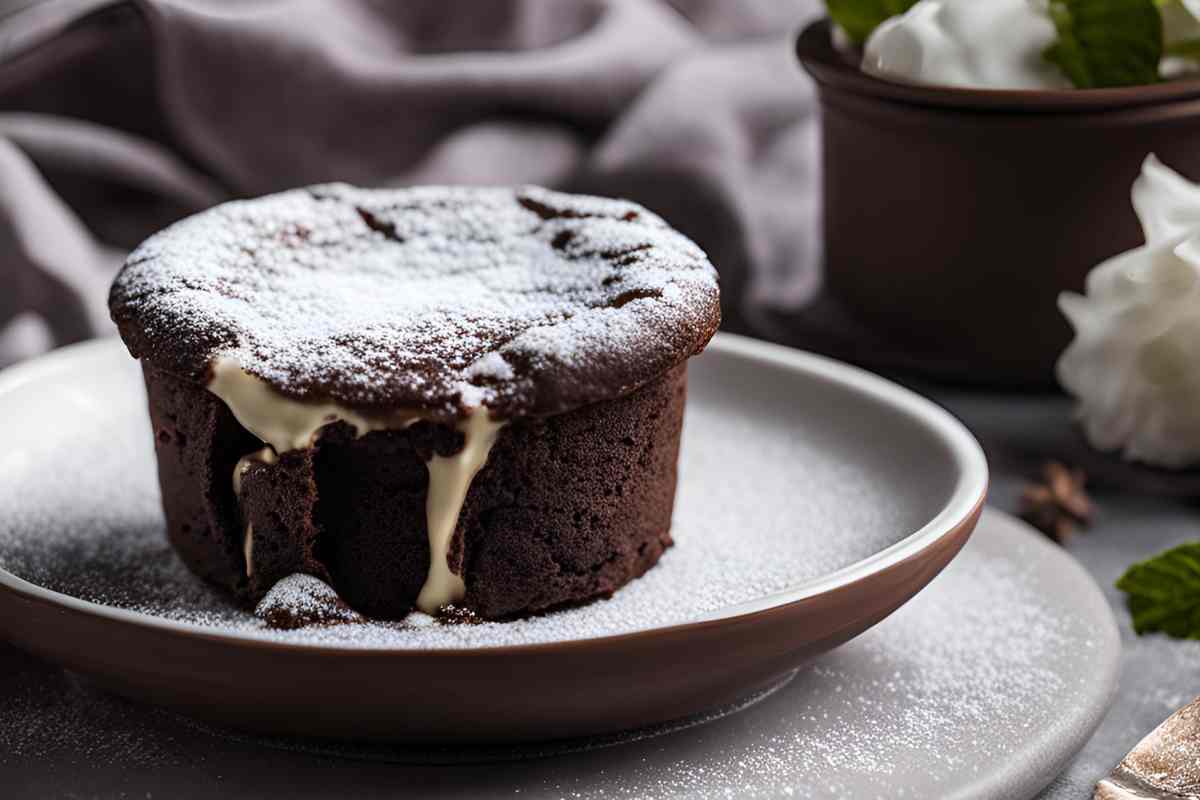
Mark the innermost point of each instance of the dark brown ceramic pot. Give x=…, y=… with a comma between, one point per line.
x=954, y=217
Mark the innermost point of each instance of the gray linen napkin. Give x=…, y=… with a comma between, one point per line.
x=118, y=117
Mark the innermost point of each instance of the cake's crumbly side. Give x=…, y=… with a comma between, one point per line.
x=572, y=507
x=569, y=507
x=198, y=443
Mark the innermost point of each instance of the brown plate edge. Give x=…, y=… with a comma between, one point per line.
x=749, y=645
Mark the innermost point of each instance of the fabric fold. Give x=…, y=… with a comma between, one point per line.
x=119, y=117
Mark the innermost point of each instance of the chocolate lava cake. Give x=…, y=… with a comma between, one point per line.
x=434, y=398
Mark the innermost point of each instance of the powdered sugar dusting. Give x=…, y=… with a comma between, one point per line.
x=300, y=600
x=527, y=301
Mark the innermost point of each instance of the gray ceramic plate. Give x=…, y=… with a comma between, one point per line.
x=815, y=499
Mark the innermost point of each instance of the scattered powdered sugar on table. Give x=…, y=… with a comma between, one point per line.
x=55, y=716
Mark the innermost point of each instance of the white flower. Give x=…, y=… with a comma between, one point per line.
x=1134, y=364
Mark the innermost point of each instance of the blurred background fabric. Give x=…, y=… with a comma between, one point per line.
x=117, y=118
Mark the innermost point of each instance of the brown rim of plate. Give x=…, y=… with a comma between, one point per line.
x=964, y=506
x=815, y=49
x=517, y=693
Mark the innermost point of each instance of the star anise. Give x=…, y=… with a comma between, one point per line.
x=1057, y=506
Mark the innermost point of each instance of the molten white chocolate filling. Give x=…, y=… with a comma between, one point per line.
x=282, y=422
x=248, y=549
x=287, y=424
x=449, y=479
x=264, y=456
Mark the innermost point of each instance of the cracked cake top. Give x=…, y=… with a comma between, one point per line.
x=434, y=299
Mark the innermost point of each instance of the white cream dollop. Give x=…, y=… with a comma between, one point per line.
x=1134, y=364
x=996, y=44
x=987, y=44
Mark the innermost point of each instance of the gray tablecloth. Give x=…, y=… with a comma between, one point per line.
x=120, y=116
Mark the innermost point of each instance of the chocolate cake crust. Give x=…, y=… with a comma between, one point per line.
x=469, y=397
x=435, y=299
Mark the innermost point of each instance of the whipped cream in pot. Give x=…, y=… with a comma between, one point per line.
x=996, y=44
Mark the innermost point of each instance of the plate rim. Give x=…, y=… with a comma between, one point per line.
x=964, y=504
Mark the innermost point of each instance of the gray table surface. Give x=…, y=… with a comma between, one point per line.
x=1019, y=432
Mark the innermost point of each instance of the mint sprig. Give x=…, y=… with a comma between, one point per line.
x=1164, y=592
x=859, y=17
x=1105, y=43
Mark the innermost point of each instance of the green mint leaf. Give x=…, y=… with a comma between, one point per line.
x=1164, y=592
x=859, y=17
x=1103, y=43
